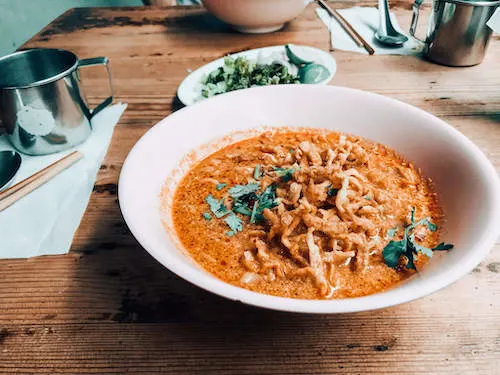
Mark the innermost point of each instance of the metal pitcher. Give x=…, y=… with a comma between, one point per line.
x=457, y=34
x=41, y=103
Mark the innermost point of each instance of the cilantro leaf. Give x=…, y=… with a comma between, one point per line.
x=408, y=247
x=254, y=212
x=220, y=186
x=207, y=216
x=431, y=226
x=241, y=208
x=419, y=248
x=392, y=232
x=284, y=173
x=443, y=246
x=256, y=172
x=393, y=251
x=217, y=207
x=367, y=197
x=332, y=192
x=238, y=191
x=234, y=222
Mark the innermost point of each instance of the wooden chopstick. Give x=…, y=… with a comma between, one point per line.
x=26, y=186
x=358, y=39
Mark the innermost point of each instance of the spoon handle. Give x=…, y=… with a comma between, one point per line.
x=385, y=17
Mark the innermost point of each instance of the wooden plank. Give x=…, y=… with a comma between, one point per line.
x=108, y=308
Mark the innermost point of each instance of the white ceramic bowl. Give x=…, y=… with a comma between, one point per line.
x=255, y=16
x=466, y=181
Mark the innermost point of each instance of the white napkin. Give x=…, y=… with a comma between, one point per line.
x=365, y=21
x=494, y=21
x=45, y=221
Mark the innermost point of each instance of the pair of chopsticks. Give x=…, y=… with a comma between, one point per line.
x=26, y=186
x=358, y=39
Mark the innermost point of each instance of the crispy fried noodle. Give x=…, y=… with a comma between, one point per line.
x=316, y=211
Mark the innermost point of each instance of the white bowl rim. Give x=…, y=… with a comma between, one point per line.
x=348, y=305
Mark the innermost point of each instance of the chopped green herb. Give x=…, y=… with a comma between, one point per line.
x=220, y=186
x=256, y=172
x=393, y=251
x=431, y=226
x=234, y=222
x=367, y=197
x=408, y=247
x=230, y=233
x=254, y=212
x=207, y=216
x=292, y=151
x=241, y=73
x=332, y=192
x=217, y=207
x=239, y=191
x=284, y=173
x=443, y=246
x=392, y=232
x=241, y=208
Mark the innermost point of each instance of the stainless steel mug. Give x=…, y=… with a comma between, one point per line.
x=42, y=106
x=457, y=34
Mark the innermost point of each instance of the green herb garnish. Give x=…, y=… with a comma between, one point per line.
x=256, y=172
x=408, y=247
x=238, y=191
x=234, y=222
x=207, y=216
x=246, y=201
x=217, y=207
x=221, y=186
x=367, y=197
x=241, y=208
x=332, y=192
x=392, y=232
x=241, y=73
x=443, y=246
x=284, y=173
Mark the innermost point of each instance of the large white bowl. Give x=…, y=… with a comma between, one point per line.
x=467, y=183
x=255, y=16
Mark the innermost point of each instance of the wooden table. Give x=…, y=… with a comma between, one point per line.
x=107, y=307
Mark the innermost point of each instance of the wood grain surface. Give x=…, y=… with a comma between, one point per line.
x=107, y=307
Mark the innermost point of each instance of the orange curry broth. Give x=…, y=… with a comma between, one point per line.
x=219, y=254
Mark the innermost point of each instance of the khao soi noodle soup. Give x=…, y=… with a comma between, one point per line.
x=308, y=214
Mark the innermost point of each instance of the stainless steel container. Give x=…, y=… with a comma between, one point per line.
x=41, y=103
x=457, y=34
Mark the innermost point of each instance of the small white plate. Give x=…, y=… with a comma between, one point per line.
x=189, y=91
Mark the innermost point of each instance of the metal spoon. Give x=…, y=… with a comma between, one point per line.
x=309, y=71
x=10, y=162
x=386, y=32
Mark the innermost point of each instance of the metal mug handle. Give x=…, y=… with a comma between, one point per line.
x=414, y=19
x=84, y=63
